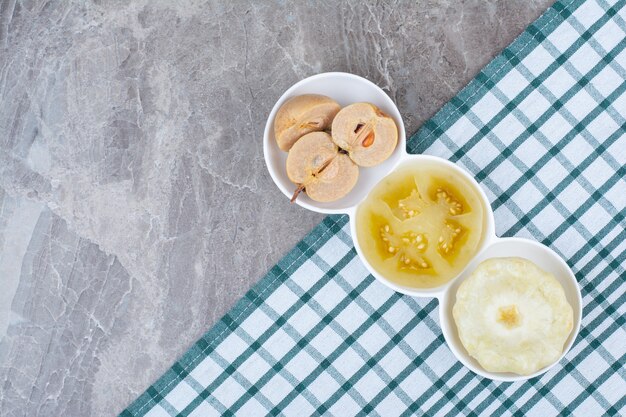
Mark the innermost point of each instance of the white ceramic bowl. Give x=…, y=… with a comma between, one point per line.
x=488, y=228
x=347, y=89
x=535, y=252
x=344, y=89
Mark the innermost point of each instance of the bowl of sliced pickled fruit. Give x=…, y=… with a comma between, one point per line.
x=510, y=308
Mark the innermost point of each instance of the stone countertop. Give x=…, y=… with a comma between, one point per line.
x=135, y=207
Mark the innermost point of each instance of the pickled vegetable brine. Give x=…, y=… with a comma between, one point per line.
x=421, y=225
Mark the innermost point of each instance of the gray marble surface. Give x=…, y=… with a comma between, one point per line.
x=135, y=207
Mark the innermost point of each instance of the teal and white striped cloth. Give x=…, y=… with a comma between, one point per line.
x=543, y=128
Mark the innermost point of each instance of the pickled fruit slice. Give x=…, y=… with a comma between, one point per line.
x=512, y=316
x=317, y=167
x=421, y=225
x=301, y=115
x=367, y=134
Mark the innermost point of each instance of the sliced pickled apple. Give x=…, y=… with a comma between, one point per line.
x=335, y=181
x=317, y=167
x=367, y=134
x=421, y=225
x=301, y=115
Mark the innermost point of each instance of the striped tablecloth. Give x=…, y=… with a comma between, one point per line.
x=543, y=129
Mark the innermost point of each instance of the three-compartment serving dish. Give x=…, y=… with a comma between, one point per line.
x=348, y=88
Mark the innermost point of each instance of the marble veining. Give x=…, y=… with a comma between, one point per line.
x=135, y=207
